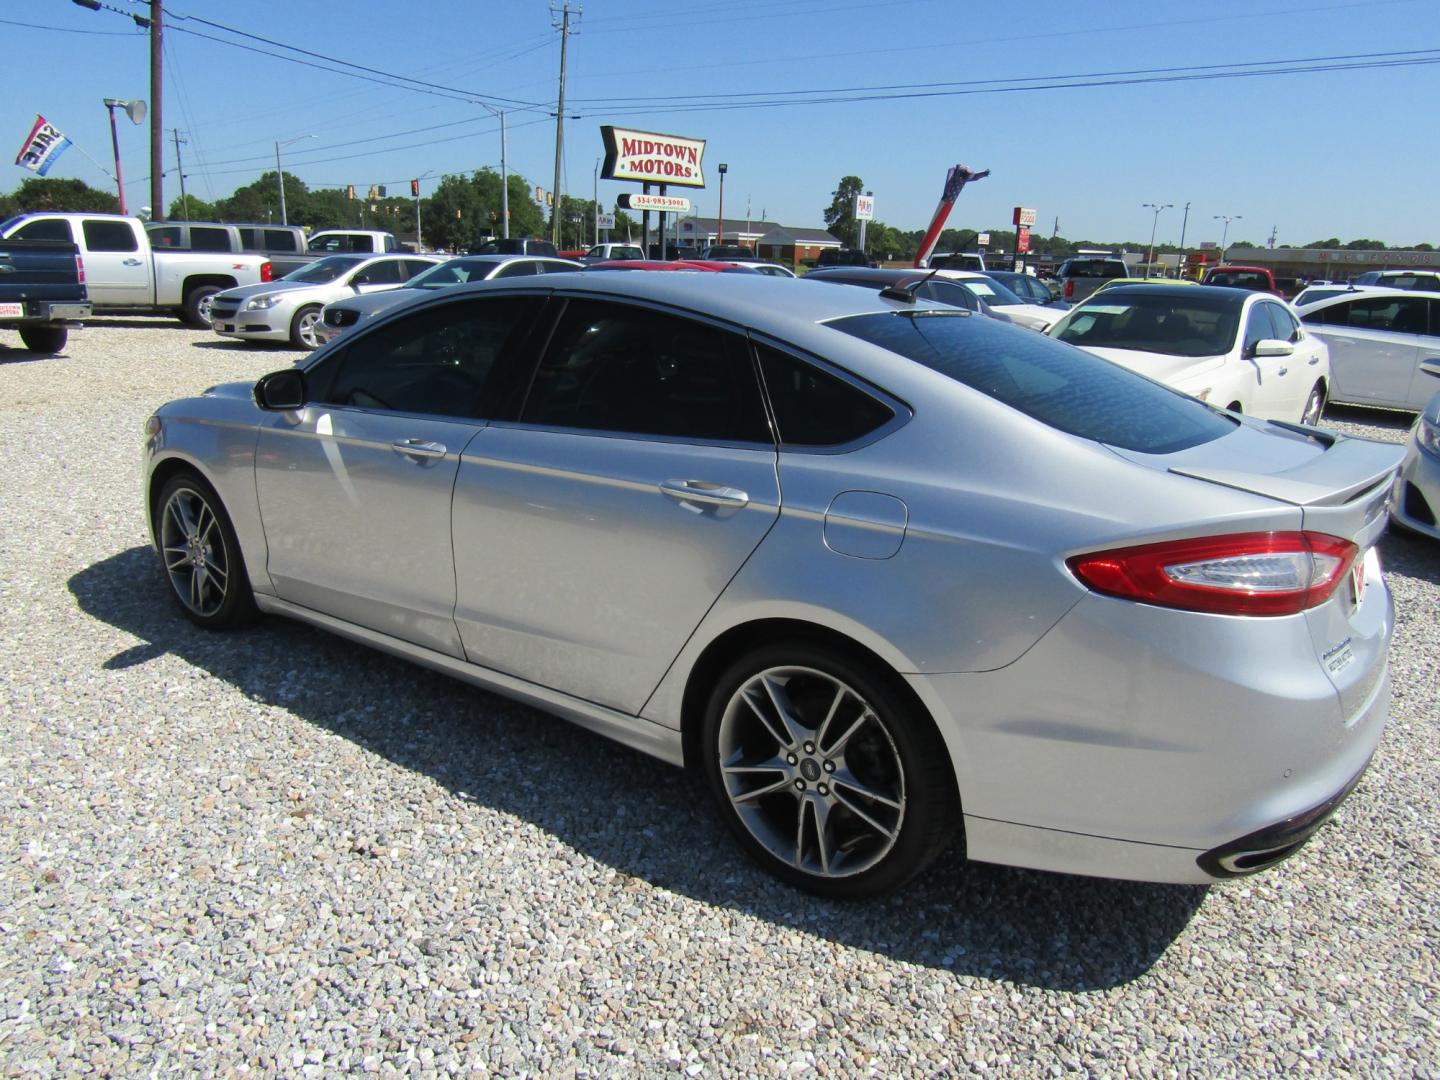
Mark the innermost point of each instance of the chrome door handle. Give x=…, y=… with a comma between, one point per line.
x=1283, y=371
x=700, y=491
x=1314, y=360
x=418, y=448
x=132, y=262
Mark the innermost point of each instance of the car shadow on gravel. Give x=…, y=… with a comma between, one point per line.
x=1410, y=554
x=232, y=345
x=653, y=824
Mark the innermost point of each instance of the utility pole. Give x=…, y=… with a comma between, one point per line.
x=157, y=125
x=1274, y=230
x=180, y=172
x=564, y=28
x=1180, y=270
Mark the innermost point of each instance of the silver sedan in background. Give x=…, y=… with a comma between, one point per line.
x=345, y=313
x=288, y=309
x=887, y=575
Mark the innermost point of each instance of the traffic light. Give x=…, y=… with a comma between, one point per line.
x=415, y=188
x=382, y=191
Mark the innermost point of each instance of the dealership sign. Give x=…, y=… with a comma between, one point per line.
x=864, y=208
x=668, y=203
x=652, y=158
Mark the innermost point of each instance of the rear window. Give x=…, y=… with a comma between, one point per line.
x=1095, y=268
x=1062, y=387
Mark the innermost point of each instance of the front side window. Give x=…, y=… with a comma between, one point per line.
x=445, y=361
x=323, y=271
x=204, y=239
x=46, y=229
x=1286, y=328
x=388, y=272
x=612, y=367
x=947, y=292
x=1064, y=388
x=110, y=236
x=518, y=268
x=1258, y=327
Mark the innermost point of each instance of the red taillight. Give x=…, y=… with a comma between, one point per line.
x=1069, y=290
x=1277, y=573
x=79, y=269
x=267, y=272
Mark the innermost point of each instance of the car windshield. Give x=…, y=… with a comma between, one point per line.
x=1183, y=325
x=454, y=272
x=323, y=270
x=1064, y=388
x=1309, y=296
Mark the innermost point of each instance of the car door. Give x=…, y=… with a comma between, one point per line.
x=1374, y=346
x=1422, y=384
x=1300, y=374
x=1269, y=376
x=594, y=533
x=117, y=267
x=355, y=488
x=378, y=276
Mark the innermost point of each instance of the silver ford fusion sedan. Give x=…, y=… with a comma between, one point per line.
x=886, y=575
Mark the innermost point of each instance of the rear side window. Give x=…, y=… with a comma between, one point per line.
x=1400, y=315
x=815, y=408
x=110, y=236
x=1060, y=386
x=1095, y=268
x=612, y=367
x=279, y=240
x=168, y=237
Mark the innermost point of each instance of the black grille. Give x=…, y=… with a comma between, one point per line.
x=224, y=309
x=1416, y=507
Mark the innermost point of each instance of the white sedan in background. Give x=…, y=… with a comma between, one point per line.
x=1379, y=339
x=288, y=309
x=1234, y=348
x=1002, y=300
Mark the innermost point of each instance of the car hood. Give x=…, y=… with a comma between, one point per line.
x=244, y=292
x=1176, y=371
x=373, y=303
x=1024, y=313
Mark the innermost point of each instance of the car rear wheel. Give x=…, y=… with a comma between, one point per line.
x=304, y=328
x=1314, y=405
x=197, y=305
x=44, y=339
x=829, y=775
x=201, y=554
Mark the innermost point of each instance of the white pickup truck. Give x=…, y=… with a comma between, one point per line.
x=123, y=273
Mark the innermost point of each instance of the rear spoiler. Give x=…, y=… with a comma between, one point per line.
x=1349, y=468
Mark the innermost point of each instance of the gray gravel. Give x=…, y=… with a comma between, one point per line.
x=277, y=852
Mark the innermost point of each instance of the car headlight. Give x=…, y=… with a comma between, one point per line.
x=1428, y=436
x=261, y=302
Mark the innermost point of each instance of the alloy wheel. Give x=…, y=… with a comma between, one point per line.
x=193, y=547
x=812, y=771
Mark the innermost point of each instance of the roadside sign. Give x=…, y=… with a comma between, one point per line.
x=864, y=208
x=1024, y=215
x=605, y=221
x=983, y=239
x=669, y=203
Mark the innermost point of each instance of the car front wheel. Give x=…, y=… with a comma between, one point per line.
x=201, y=554
x=304, y=328
x=827, y=772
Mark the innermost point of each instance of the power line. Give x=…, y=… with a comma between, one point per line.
x=67, y=30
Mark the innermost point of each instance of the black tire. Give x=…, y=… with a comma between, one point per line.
x=302, y=328
x=1314, y=405
x=859, y=809
x=44, y=339
x=197, y=306
x=191, y=524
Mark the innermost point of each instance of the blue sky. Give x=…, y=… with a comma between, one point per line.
x=1348, y=152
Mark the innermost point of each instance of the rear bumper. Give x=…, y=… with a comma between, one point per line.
x=45, y=311
x=1141, y=743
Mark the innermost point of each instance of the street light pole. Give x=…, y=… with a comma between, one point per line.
x=595, y=195
x=1183, y=222
x=720, y=227
x=504, y=175
x=280, y=176
x=1225, y=234
x=1154, y=221
x=110, y=104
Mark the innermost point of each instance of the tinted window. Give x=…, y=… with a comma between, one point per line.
x=249, y=238
x=410, y=267
x=815, y=408
x=945, y=292
x=547, y=267
x=1401, y=315
x=170, y=236
x=445, y=361
x=518, y=269
x=47, y=229
x=1178, y=323
x=1258, y=327
x=205, y=239
x=323, y=270
x=610, y=367
x=1094, y=268
x=110, y=236
x=388, y=272
x=1286, y=328
x=1062, y=387
x=278, y=240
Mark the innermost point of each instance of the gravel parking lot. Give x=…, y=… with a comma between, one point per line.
x=279, y=852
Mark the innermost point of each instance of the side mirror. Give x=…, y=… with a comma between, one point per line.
x=1431, y=367
x=281, y=391
x=1273, y=347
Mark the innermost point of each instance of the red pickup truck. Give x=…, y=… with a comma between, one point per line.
x=1256, y=278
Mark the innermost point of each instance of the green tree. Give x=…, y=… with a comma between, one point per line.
x=1332, y=242
x=42, y=193
x=192, y=209
x=1365, y=245
x=840, y=214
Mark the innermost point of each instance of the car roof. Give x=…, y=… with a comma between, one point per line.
x=883, y=275
x=1237, y=297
